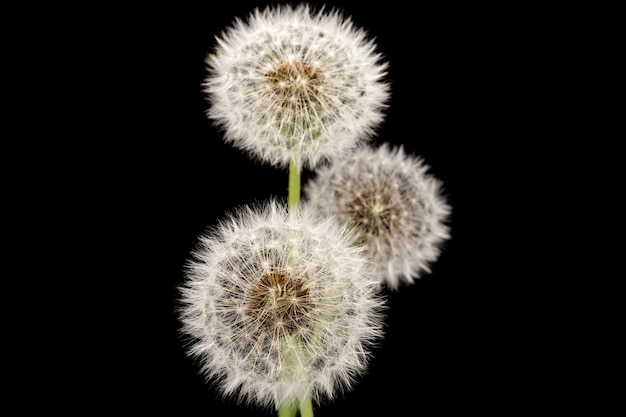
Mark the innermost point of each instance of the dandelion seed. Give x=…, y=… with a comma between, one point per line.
x=294, y=83
x=279, y=307
x=397, y=207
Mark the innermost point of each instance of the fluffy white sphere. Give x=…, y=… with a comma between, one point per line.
x=293, y=83
x=279, y=306
x=391, y=200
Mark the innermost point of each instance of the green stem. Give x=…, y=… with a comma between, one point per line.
x=293, y=200
x=288, y=410
x=291, y=410
x=306, y=408
x=294, y=186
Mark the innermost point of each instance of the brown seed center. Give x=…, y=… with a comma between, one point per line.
x=374, y=215
x=280, y=301
x=297, y=83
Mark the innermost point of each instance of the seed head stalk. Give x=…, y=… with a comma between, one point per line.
x=293, y=204
x=294, y=186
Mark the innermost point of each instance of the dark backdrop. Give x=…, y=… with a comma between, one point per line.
x=158, y=174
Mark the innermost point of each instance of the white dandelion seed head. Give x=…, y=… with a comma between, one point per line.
x=278, y=306
x=398, y=208
x=292, y=82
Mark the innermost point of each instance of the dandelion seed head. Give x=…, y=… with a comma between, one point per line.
x=278, y=306
x=398, y=208
x=293, y=82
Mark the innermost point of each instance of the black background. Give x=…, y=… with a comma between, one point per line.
x=153, y=173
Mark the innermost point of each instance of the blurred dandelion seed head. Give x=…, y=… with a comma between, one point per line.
x=398, y=208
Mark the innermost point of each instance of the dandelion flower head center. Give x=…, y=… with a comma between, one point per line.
x=279, y=300
x=295, y=84
x=373, y=211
